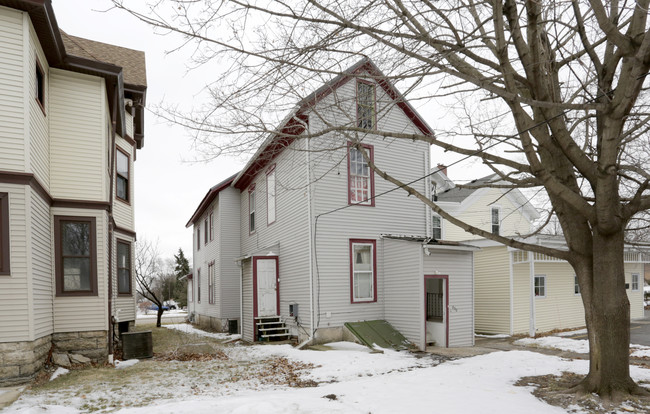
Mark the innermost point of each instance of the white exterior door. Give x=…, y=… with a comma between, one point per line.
x=267, y=287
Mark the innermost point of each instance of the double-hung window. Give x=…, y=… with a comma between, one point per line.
x=198, y=236
x=75, y=256
x=495, y=219
x=123, y=268
x=635, y=281
x=436, y=224
x=251, y=210
x=198, y=285
x=122, y=161
x=40, y=86
x=363, y=272
x=211, y=282
x=205, y=231
x=211, y=226
x=361, y=181
x=540, y=286
x=270, y=196
x=4, y=234
x=365, y=105
x=576, y=286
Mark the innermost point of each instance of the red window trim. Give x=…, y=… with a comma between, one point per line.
x=251, y=189
x=277, y=287
x=211, y=288
x=270, y=170
x=374, y=269
x=198, y=285
x=205, y=231
x=356, y=101
x=117, y=268
x=127, y=200
x=211, y=225
x=58, y=256
x=5, y=253
x=371, y=193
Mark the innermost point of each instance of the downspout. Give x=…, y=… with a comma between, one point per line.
x=512, y=292
x=241, y=297
x=312, y=329
x=110, y=232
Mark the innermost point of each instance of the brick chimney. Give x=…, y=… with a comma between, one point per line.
x=442, y=168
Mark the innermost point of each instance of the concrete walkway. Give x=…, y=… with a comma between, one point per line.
x=8, y=395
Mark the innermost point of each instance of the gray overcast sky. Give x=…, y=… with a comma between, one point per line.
x=168, y=188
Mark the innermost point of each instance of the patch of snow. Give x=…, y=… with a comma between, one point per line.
x=125, y=364
x=498, y=336
x=580, y=346
x=572, y=333
x=189, y=329
x=59, y=371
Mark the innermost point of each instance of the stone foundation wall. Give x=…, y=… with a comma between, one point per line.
x=91, y=344
x=21, y=361
x=332, y=334
x=211, y=323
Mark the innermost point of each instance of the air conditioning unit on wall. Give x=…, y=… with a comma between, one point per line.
x=137, y=345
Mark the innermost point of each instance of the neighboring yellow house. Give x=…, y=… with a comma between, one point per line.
x=71, y=120
x=517, y=292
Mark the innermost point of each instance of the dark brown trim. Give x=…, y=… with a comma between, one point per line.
x=58, y=255
x=126, y=200
x=117, y=257
x=5, y=252
x=130, y=140
x=40, y=89
x=124, y=231
x=208, y=198
x=21, y=178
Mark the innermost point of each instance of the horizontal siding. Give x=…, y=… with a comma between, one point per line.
x=202, y=258
x=123, y=306
x=521, y=293
x=247, y=305
x=561, y=308
x=14, y=304
x=492, y=290
x=635, y=297
x=403, y=286
x=123, y=212
x=85, y=313
x=42, y=265
x=38, y=123
x=477, y=213
x=228, y=231
x=288, y=236
x=459, y=267
x=12, y=91
x=78, y=148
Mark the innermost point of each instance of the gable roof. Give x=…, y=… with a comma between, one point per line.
x=459, y=195
x=131, y=61
x=294, y=123
x=208, y=198
x=85, y=57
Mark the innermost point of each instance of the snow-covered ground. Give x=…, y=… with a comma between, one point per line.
x=580, y=346
x=353, y=380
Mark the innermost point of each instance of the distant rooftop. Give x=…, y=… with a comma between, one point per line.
x=458, y=194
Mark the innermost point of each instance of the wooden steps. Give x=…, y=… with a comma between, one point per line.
x=271, y=328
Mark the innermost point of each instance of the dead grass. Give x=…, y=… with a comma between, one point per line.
x=556, y=390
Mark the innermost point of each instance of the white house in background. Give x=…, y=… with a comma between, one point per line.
x=319, y=242
x=71, y=119
x=518, y=292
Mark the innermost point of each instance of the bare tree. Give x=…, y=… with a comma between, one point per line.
x=149, y=274
x=547, y=94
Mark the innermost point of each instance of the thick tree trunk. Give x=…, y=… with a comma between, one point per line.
x=607, y=314
x=160, y=313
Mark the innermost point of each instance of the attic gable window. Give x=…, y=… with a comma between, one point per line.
x=495, y=219
x=361, y=183
x=365, y=105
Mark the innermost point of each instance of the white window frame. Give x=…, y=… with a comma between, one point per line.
x=211, y=283
x=576, y=286
x=537, y=286
x=637, y=277
x=433, y=217
x=354, y=272
x=498, y=223
x=251, y=210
